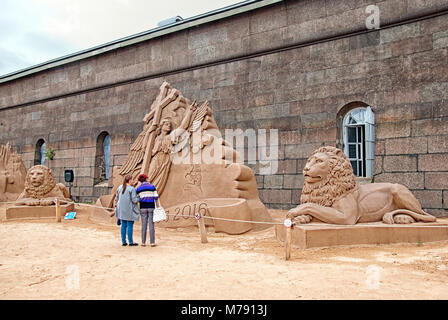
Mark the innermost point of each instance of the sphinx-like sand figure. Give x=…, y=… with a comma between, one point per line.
x=332, y=195
x=12, y=174
x=194, y=170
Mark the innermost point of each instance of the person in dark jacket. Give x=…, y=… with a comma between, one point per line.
x=148, y=195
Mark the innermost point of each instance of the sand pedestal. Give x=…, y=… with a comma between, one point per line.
x=101, y=215
x=36, y=212
x=324, y=235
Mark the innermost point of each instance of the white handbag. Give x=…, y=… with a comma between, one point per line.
x=158, y=213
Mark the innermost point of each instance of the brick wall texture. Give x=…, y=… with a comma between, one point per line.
x=291, y=66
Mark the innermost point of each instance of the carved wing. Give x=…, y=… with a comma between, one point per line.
x=198, y=117
x=197, y=120
x=5, y=153
x=182, y=142
x=135, y=156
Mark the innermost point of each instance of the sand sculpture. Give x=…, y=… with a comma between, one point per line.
x=332, y=195
x=181, y=151
x=38, y=196
x=12, y=174
x=41, y=188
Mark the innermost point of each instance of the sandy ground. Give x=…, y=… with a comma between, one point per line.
x=42, y=259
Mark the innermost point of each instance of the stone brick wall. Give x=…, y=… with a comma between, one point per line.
x=291, y=66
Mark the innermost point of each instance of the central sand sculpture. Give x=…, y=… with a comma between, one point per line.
x=194, y=170
x=332, y=195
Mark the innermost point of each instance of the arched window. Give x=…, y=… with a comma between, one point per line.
x=358, y=136
x=39, y=155
x=102, y=157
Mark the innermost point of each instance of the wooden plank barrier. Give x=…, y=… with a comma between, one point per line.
x=202, y=229
x=58, y=210
x=288, y=238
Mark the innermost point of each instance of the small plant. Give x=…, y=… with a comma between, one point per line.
x=419, y=243
x=49, y=154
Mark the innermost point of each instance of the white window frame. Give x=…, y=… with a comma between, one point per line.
x=365, y=119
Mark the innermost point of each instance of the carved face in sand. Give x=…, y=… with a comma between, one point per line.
x=317, y=168
x=37, y=177
x=39, y=181
x=166, y=126
x=328, y=175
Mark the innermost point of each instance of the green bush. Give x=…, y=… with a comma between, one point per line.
x=49, y=154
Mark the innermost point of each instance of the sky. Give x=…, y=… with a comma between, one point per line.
x=36, y=31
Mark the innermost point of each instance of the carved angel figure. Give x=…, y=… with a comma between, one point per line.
x=160, y=165
x=150, y=153
x=173, y=125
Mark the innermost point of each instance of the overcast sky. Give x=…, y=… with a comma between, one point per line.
x=35, y=31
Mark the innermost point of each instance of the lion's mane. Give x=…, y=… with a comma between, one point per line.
x=339, y=182
x=40, y=191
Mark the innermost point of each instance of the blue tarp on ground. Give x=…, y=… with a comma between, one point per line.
x=70, y=215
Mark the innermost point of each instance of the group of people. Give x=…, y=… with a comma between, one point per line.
x=132, y=203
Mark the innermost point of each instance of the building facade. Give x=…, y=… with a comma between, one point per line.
x=372, y=80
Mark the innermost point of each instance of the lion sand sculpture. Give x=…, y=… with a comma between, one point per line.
x=194, y=170
x=41, y=188
x=12, y=174
x=332, y=195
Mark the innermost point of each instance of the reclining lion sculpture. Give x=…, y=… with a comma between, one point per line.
x=41, y=188
x=332, y=195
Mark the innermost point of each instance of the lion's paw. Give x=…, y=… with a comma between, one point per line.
x=303, y=219
x=46, y=202
x=32, y=203
x=388, y=218
x=403, y=219
x=292, y=213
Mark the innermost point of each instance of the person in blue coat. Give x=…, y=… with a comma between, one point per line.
x=127, y=209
